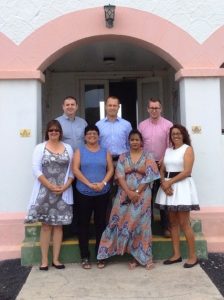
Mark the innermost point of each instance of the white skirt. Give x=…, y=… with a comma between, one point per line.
x=184, y=197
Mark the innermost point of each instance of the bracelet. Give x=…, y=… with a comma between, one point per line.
x=105, y=183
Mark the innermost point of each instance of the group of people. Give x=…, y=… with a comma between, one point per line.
x=109, y=160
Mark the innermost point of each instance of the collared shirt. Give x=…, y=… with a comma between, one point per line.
x=114, y=135
x=155, y=136
x=73, y=130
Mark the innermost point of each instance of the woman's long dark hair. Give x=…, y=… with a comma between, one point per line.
x=184, y=132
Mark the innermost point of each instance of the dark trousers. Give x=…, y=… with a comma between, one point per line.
x=113, y=190
x=86, y=205
x=74, y=225
x=163, y=213
x=112, y=194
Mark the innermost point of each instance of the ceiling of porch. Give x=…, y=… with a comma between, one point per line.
x=122, y=55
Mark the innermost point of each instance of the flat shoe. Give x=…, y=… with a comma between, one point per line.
x=101, y=264
x=58, y=266
x=86, y=264
x=170, y=262
x=187, y=266
x=43, y=268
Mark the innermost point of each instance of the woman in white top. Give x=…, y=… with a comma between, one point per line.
x=52, y=198
x=177, y=193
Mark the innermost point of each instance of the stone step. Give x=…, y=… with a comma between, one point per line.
x=162, y=247
x=32, y=231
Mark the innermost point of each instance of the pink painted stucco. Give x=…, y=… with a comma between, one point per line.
x=11, y=234
x=12, y=231
x=212, y=219
x=158, y=35
x=199, y=72
x=214, y=46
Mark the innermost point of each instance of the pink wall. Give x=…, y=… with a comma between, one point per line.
x=160, y=36
x=11, y=234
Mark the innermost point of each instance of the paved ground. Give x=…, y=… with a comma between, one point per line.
x=114, y=282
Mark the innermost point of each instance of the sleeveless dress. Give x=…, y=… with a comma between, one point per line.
x=184, y=196
x=50, y=208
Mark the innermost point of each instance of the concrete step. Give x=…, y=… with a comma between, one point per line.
x=32, y=231
x=162, y=247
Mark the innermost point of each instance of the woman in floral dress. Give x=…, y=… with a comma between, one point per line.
x=52, y=198
x=129, y=228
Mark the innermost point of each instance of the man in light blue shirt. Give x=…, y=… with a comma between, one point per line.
x=73, y=134
x=114, y=131
x=72, y=126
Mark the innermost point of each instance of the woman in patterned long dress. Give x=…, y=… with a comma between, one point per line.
x=129, y=228
x=52, y=198
x=177, y=193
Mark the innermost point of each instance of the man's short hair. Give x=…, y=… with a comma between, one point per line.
x=114, y=98
x=71, y=97
x=154, y=100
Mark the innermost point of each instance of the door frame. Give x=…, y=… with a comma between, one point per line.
x=105, y=77
x=141, y=108
x=84, y=82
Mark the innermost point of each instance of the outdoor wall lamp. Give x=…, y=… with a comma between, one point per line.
x=109, y=15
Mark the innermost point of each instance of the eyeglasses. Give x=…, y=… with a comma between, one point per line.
x=154, y=108
x=53, y=130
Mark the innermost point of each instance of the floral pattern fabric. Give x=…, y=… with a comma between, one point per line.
x=49, y=207
x=129, y=228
